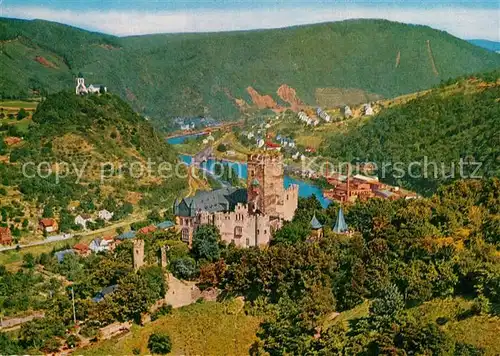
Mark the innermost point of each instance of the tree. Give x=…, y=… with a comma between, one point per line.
x=159, y=344
x=29, y=260
x=221, y=147
x=22, y=114
x=206, y=243
x=389, y=304
x=38, y=332
x=8, y=345
x=133, y=297
x=183, y=267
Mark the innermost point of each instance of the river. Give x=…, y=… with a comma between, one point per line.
x=306, y=189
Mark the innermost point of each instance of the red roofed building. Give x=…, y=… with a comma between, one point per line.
x=5, y=236
x=147, y=229
x=82, y=249
x=271, y=146
x=48, y=225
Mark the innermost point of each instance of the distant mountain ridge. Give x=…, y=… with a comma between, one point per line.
x=213, y=74
x=489, y=45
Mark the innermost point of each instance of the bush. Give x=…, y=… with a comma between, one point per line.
x=163, y=310
x=159, y=344
x=72, y=341
x=481, y=305
x=222, y=148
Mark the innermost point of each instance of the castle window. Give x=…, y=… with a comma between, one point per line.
x=258, y=232
x=185, y=235
x=238, y=232
x=248, y=242
x=265, y=232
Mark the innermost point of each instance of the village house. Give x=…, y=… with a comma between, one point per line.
x=5, y=236
x=347, y=112
x=105, y=215
x=104, y=292
x=271, y=146
x=368, y=110
x=83, y=219
x=147, y=230
x=12, y=140
x=48, y=225
x=322, y=114
x=81, y=249
x=127, y=235
x=99, y=245
x=165, y=225
x=245, y=217
x=61, y=254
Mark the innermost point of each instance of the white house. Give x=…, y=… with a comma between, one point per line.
x=260, y=143
x=96, y=88
x=99, y=245
x=322, y=114
x=82, y=220
x=368, y=110
x=105, y=215
x=347, y=112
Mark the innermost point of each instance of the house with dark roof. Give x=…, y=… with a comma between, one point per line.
x=60, y=254
x=165, y=225
x=104, y=292
x=127, y=235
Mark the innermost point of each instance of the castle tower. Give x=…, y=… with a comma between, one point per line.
x=265, y=183
x=80, y=85
x=138, y=253
x=163, y=254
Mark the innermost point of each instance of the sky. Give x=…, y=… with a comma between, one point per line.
x=467, y=19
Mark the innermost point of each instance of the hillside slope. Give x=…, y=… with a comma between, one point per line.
x=206, y=74
x=82, y=154
x=428, y=136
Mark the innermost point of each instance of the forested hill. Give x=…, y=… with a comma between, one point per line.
x=446, y=125
x=92, y=151
x=205, y=74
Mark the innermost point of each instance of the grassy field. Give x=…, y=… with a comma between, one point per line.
x=18, y=104
x=207, y=328
x=478, y=330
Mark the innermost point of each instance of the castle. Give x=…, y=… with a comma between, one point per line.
x=246, y=217
x=81, y=89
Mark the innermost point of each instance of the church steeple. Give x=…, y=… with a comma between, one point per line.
x=340, y=225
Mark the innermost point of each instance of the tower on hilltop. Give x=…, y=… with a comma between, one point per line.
x=265, y=183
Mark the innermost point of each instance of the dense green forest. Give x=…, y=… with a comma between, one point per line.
x=198, y=74
x=404, y=253
x=93, y=150
x=429, y=136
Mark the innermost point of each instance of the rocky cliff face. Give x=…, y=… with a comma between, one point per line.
x=263, y=101
x=289, y=95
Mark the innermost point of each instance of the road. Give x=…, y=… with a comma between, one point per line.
x=48, y=240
